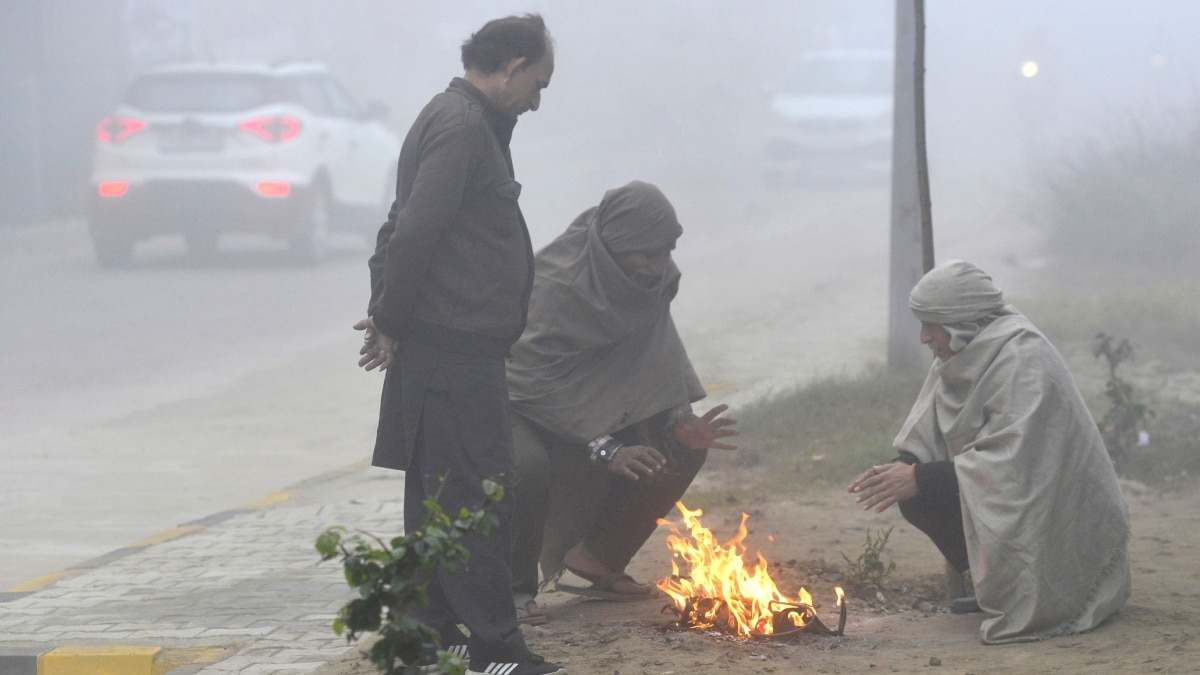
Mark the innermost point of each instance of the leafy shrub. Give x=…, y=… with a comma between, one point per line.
x=389, y=582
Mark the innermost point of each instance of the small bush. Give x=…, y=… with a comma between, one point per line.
x=868, y=572
x=1128, y=201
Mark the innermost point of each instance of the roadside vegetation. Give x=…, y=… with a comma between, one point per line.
x=1124, y=200
x=824, y=433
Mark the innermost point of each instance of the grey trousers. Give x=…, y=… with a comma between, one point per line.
x=456, y=415
x=561, y=499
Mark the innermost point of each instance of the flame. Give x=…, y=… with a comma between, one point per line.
x=720, y=590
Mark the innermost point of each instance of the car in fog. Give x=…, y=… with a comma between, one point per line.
x=202, y=149
x=832, y=116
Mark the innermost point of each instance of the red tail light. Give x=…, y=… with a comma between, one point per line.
x=114, y=188
x=272, y=129
x=116, y=130
x=274, y=188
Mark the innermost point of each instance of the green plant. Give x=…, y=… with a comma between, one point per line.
x=869, y=570
x=390, y=579
x=1126, y=414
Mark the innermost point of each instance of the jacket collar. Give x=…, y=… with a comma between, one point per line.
x=501, y=122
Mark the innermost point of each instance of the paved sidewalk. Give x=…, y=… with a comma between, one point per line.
x=241, y=591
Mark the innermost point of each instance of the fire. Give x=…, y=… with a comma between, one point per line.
x=721, y=591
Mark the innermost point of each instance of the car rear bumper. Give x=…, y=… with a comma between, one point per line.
x=166, y=207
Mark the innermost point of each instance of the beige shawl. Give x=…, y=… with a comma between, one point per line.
x=601, y=351
x=1046, y=525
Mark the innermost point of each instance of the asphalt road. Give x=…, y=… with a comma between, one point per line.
x=82, y=349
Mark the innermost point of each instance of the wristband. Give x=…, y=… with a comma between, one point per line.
x=603, y=449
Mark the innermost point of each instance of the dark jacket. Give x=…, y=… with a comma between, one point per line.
x=453, y=264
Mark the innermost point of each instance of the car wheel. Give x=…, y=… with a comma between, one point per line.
x=311, y=243
x=201, y=242
x=113, y=250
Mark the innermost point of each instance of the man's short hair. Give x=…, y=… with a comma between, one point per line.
x=502, y=40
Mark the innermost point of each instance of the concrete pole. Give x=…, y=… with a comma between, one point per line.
x=912, y=224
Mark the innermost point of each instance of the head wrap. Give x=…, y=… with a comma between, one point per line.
x=958, y=296
x=637, y=218
x=600, y=351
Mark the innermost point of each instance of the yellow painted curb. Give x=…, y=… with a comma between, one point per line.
x=166, y=535
x=269, y=500
x=98, y=661
x=44, y=581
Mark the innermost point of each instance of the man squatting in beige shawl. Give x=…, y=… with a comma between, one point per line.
x=1003, y=467
x=601, y=391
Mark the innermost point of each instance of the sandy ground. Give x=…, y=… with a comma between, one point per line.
x=910, y=631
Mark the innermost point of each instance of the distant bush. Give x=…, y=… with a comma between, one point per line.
x=1126, y=202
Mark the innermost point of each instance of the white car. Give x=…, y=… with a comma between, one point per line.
x=199, y=150
x=833, y=115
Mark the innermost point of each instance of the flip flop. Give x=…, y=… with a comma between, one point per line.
x=601, y=589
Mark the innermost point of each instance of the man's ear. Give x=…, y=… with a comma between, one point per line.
x=514, y=65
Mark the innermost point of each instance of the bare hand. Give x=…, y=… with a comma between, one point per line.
x=884, y=485
x=702, y=433
x=635, y=461
x=378, y=350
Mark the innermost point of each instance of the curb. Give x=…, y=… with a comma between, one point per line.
x=136, y=659
x=108, y=660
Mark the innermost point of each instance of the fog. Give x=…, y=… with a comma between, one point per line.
x=779, y=276
x=672, y=91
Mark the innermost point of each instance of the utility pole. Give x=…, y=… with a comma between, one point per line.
x=912, y=223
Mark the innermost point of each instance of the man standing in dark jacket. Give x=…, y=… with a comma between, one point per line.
x=450, y=284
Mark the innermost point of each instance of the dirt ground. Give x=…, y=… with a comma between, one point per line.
x=907, y=628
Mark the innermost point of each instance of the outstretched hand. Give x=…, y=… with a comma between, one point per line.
x=883, y=485
x=702, y=433
x=378, y=350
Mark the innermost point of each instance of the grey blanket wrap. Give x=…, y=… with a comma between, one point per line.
x=1046, y=525
x=600, y=351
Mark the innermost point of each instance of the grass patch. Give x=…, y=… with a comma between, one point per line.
x=823, y=433
x=1161, y=319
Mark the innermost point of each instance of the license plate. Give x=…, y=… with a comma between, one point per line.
x=191, y=138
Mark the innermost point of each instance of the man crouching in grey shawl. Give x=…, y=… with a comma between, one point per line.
x=1002, y=466
x=601, y=389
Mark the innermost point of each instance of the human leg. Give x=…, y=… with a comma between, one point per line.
x=530, y=493
x=463, y=436
x=632, y=512
x=941, y=519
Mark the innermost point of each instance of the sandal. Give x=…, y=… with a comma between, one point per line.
x=529, y=612
x=602, y=588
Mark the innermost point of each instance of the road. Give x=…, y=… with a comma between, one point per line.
x=137, y=400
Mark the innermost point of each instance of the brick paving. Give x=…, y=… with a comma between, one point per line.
x=249, y=582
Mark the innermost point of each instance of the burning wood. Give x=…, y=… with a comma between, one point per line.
x=720, y=591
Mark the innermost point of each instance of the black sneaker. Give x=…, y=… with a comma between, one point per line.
x=428, y=665
x=530, y=664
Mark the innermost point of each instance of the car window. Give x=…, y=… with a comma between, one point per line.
x=312, y=95
x=343, y=105
x=201, y=92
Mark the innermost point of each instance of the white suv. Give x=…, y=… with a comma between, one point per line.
x=199, y=150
